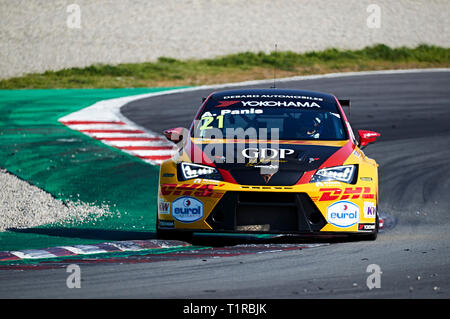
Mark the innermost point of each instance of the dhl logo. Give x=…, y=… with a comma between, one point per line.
x=330, y=194
x=200, y=190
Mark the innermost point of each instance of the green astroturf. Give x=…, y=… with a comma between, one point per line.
x=35, y=147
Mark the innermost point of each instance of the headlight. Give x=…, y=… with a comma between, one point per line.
x=190, y=171
x=338, y=173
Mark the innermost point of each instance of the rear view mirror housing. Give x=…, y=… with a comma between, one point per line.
x=174, y=134
x=367, y=137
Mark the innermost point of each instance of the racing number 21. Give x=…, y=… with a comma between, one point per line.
x=207, y=120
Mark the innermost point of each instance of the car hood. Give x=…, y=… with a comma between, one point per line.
x=268, y=164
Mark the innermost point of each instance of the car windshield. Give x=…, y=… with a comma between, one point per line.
x=281, y=119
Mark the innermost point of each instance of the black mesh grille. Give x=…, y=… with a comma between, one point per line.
x=266, y=212
x=254, y=177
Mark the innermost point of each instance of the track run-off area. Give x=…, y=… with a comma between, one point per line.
x=48, y=140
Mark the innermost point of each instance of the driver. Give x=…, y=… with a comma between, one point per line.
x=310, y=126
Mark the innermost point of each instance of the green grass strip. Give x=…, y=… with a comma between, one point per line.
x=247, y=65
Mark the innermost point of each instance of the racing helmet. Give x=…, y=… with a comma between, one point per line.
x=309, y=125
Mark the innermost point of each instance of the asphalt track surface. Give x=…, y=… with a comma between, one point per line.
x=412, y=113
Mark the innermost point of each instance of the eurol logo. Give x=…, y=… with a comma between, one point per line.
x=343, y=214
x=187, y=209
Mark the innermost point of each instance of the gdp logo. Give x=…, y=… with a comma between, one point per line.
x=343, y=214
x=266, y=153
x=187, y=209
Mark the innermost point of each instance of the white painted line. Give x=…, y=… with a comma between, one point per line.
x=118, y=134
x=152, y=153
x=119, y=144
x=127, y=246
x=85, y=249
x=32, y=254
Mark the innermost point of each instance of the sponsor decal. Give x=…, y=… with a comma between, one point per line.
x=164, y=207
x=233, y=112
x=370, y=210
x=267, y=177
x=208, y=181
x=187, y=209
x=329, y=183
x=356, y=153
x=306, y=104
x=366, y=227
x=242, y=111
x=334, y=193
x=255, y=162
x=273, y=167
x=167, y=223
x=343, y=214
x=370, y=134
x=226, y=103
x=266, y=153
x=198, y=190
x=280, y=96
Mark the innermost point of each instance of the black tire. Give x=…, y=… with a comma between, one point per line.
x=374, y=235
x=174, y=234
x=366, y=236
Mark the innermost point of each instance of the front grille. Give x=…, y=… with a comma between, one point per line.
x=254, y=177
x=266, y=212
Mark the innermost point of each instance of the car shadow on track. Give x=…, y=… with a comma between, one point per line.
x=211, y=240
x=217, y=241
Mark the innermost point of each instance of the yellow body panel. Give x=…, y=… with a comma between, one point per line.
x=364, y=193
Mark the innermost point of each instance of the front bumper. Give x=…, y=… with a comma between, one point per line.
x=299, y=209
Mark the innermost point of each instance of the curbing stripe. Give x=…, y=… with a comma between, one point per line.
x=145, y=148
x=92, y=122
x=108, y=247
x=33, y=254
x=7, y=256
x=112, y=131
x=137, y=142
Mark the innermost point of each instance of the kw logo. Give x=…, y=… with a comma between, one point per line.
x=347, y=193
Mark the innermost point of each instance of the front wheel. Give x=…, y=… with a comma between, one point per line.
x=173, y=234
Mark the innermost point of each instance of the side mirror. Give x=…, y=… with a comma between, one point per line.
x=174, y=134
x=367, y=137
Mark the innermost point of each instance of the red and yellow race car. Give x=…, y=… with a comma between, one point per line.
x=269, y=161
